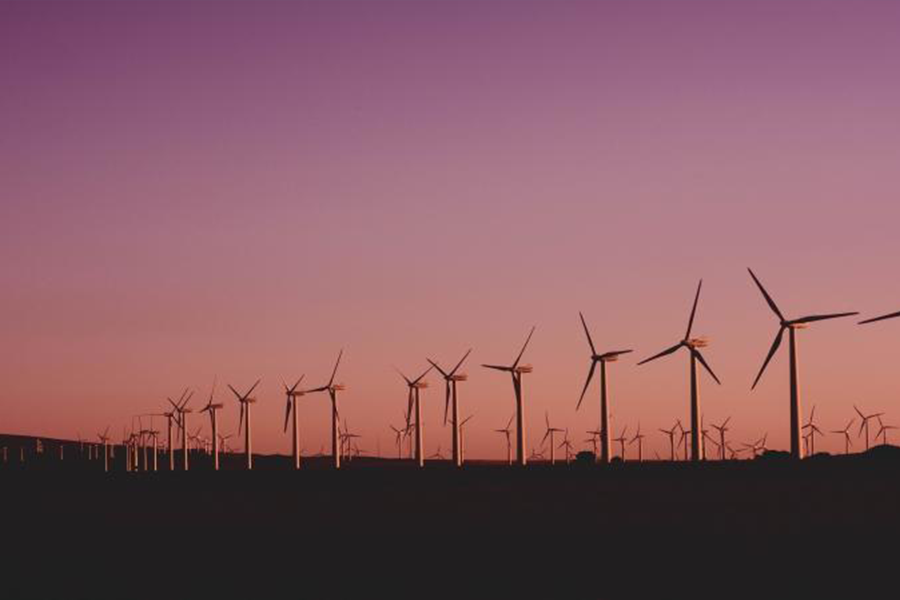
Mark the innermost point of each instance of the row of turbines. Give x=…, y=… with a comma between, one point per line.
x=601, y=439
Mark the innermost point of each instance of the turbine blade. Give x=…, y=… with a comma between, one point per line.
x=665, y=352
x=436, y=366
x=588, y=334
x=497, y=367
x=427, y=371
x=235, y=392
x=336, y=364
x=814, y=318
x=287, y=413
x=241, y=421
x=461, y=361
x=881, y=318
x=525, y=345
x=775, y=344
x=253, y=387
x=765, y=294
x=690, y=326
x=586, y=383
x=705, y=365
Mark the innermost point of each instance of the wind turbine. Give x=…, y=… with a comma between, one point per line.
x=414, y=386
x=104, y=439
x=181, y=412
x=622, y=439
x=549, y=433
x=516, y=371
x=450, y=396
x=864, y=425
x=882, y=431
x=170, y=416
x=722, y=429
x=639, y=438
x=813, y=431
x=507, y=431
x=213, y=410
x=683, y=442
x=568, y=446
x=246, y=402
x=593, y=440
x=792, y=327
x=846, y=433
x=671, y=434
x=693, y=346
x=399, y=433
x=333, y=388
x=602, y=359
x=292, y=393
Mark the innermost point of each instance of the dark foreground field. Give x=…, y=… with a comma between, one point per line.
x=377, y=530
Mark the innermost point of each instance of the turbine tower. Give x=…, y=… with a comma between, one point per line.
x=792, y=327
x=333, y=388
x=246, y=402
x=693, y=345
x=516, y=371
x=213, y=410
x=450, y=397
x=602, y=359
x=292, y=393
x=414, y=386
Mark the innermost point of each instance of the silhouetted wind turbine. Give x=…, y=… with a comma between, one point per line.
x=567, y=445
x=639, y=438
x=413, y=403
x=622, y=439
x=399, y=433
x=182, y=411
x=864, y=425
x=292, y=393
x=104, y=439
x=550, y=433
x=671, y=434
x=246, y=402
x=722, y=429
x=791, y=326
x=507, y=432
x=516, y=371
x=333, y=388
x=846, y=433
x=450, y=397
x=462, y=439
x=882, y=431
x=602, y=359
x=213, y=410
x=813, y=431
x=692, y=345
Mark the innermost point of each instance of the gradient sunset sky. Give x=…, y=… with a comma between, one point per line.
x=243, y=189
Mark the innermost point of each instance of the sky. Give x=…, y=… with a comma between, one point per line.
x=233, y=190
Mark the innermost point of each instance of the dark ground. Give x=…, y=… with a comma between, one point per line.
x=378, y=528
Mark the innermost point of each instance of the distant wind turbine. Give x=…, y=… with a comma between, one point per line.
x=639, y=438
x=622, y=439
x=507, y=432
x=882, y=431
x=450, y=398
x=292, y=393
x=213, y=409
x=413, y=404
x=602, y=359
x=549, y=434
x=722, y=429
x=181, y=411
x=846, y=433
x=333, y=388
x=864, y=425
x=791, y=326
x=246, y=402
x=104, y=439
x=693, y=346
x=516, y=371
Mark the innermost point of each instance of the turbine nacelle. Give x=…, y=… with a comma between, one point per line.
x=699, y=342
x=459, y=377
x=524, y=369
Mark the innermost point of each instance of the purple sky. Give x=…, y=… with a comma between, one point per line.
x=241, y=189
